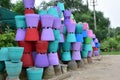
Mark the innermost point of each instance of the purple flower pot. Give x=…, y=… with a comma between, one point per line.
x=57, y=23
x=47, y=35
x=89, y=54
x=70, y=27
x=96, y=53
x=29, y=3
x=76, y=46
x=32, y=20
x=93, y=44
x=53, y=59
x=96, y=40
x=61, y=28
x=76, y=55
x=20, y=34
x=47, y=21
x=94, y=36
x=34, y=55
x=41, y=60
x=62, y=38
x=67, y=14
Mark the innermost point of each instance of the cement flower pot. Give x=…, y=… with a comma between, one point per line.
x=4, y=54
x=32, y=20
x=20, y=35
x=85, y=26
x=76, y=55
x=41, y=60
x=53, y=11
x=35, y=73
x=79, y=38
x=20, y=21
x=29, y=3
x=15, y=53
x=13, y=69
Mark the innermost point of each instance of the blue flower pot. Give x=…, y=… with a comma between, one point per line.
x=79, y=28
x=2, y=66
x=4, y=54
x=35, y=73
x=71, y=37
x=79, y=37
x=13, y=69
x=57, y=35
x=53, y=11
x=15, y=53
x=66, y=56
x=53, y=46
x=84, y=33
x=66, y=46
x=84, y=54
x=20, y=21
x=61, y=6
x=97, y=45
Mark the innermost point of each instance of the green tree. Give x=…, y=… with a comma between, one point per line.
x=6, y=3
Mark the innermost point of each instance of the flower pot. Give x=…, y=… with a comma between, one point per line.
x=4, y=54
x=20, y=21
x=41, y=46
x=85, y=26
x=76, y=55
x=2, y=66
x=94, y=36
x=27, y=46
x=61, y=38
x=61, y=28
x=84, y=54
x=89, y=54
x=87, y=47
x=34, y=55
x=57, y=23
x=79, y=28
x=96, y=53
x=70, y=27
x=47, y=21
x=42, y=12
x=17, y=78
x=66, y=46
x=41, y=60
x=67, y=14
x=15, y=53
x=29, y=11
x=64, y=68
x=93, y=44
x=53, y=46
x=57, y=69
x=32, y=20
x=79, y=37
x=20, y=35
x=76, y=46
x=95, y=49
x=47, y=35
x=66, y=56
x=32, y=34
x=71, y=37
x=29, y=3
x=61, y=6
x=59, y=11
x=88, y=40
x=53, y=11
x=13, y=69
x=84, y=33
x=97, y=45
x=57, y=35
x=90, y=33
x=34, y=73
x=53, y=59
x=27, y=60
x=72, y=65
x=96, y=40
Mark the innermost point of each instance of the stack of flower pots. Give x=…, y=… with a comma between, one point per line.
x=96, y=48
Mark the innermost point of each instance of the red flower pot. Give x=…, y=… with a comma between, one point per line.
x=95, y=49
x=32, y=34
x=27, y=46
x=29, y=11
x=41, y=46
x=27, y=60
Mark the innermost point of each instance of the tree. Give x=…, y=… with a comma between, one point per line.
x=6, y=3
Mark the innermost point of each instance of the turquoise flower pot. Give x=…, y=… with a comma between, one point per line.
x=87, y=47
x=42, y=12
x=57, y=35
x=20, y=21
x=66, y=46
x=13, y=69
x=84, y=54
x=15, y=53
x=61, y=6
x=79, y=28
x=53, y=46
x=66, y=56
x=35, y=73
x=64, y=30
x=71, y=37
x=88, y=40
x=53, y=11
x=4, y=54
x=2, y=66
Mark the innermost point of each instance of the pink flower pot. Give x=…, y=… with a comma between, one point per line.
x=85, y=26
x=90, y=33
x=20, y=34
x=76, y=55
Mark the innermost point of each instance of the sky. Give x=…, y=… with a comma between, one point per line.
x=110, y=8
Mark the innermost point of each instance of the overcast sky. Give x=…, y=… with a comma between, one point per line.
x=110, y=8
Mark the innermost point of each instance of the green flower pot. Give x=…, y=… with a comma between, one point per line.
x=88, y=40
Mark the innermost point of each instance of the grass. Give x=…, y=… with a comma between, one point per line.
x=110, y=53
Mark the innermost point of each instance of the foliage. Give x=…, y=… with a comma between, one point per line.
x=6, y=3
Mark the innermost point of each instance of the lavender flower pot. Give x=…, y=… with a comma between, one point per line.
x=96, y=40
x=94, y=36
x=61, y=28
x=70, y=27
x=85, y=26
x=61, y=38
x=53, y=59
x=67, y=14
x=4, y=54
x=20, y=35
x=41, y=60
x=47, y=21
x=76, y=55
x=89, y=54
x=32, y=20
x=53, y=11
x=71, y=37
x=57, y=23
x=96, y=53
x=34, y=55
x=29, y=3
x=20, y=21
x=93, y=44
x=47, y=35
x=76, y=46
x=79, y=37
x=61, y=6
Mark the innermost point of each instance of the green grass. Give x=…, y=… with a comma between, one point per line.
x=110, y=53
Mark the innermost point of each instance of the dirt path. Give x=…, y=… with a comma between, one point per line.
x=106, y=69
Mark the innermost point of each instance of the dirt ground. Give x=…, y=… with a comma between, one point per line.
x=106, y=69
